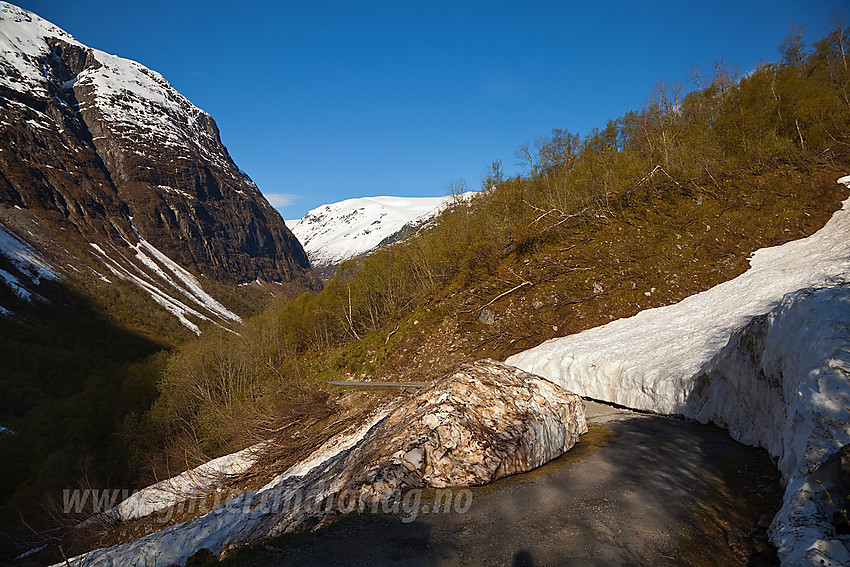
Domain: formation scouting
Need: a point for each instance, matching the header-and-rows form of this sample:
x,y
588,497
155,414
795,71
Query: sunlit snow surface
x,y
339,231
764,355
204,308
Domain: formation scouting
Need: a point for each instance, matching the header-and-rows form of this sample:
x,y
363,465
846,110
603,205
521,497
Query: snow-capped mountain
x,y
338,231
107,172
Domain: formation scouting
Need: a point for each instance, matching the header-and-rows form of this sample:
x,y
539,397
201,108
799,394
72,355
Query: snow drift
x,y
764,355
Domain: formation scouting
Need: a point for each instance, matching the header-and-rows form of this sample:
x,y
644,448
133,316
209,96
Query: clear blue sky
x,y
322,101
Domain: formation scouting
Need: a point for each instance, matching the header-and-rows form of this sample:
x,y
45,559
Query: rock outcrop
x,y
484,421
101,149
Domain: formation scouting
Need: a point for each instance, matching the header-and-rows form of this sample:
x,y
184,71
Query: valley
x,y
668,294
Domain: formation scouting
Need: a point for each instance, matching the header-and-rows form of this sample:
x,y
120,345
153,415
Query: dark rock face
x,y
105,149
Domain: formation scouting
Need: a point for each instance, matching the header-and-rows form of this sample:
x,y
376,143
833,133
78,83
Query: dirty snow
x,y
529,420
235,521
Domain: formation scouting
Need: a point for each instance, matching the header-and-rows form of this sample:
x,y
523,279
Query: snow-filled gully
x,y
765,355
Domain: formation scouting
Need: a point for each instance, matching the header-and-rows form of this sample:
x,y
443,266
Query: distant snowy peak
x,y
338,231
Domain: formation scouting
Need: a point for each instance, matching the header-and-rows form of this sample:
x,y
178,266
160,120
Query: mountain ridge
x,y
101,150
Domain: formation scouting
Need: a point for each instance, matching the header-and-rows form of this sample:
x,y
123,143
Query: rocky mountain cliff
x,y
108,172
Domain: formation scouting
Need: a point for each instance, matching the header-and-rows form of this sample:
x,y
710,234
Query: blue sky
x,y
322,101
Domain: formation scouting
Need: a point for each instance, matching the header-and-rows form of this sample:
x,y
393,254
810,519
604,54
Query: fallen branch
x,y
649,175
544,213
391,334
498,297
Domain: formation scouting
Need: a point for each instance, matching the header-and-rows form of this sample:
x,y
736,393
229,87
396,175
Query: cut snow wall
x,y
783,383
765,355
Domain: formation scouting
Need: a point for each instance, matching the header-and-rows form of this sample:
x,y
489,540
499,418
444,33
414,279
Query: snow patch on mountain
x,y
161,267
338,231
127,94
185,282
25,258
22,44
29,264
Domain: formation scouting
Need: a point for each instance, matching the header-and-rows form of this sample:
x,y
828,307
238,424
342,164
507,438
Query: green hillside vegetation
x,y
657,205
69,377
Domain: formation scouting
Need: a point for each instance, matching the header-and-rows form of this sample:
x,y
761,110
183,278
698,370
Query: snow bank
x,y
195,482
764,355
783,382
649,361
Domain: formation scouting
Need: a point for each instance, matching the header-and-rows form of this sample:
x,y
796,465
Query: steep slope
x,y
106,168
338,231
